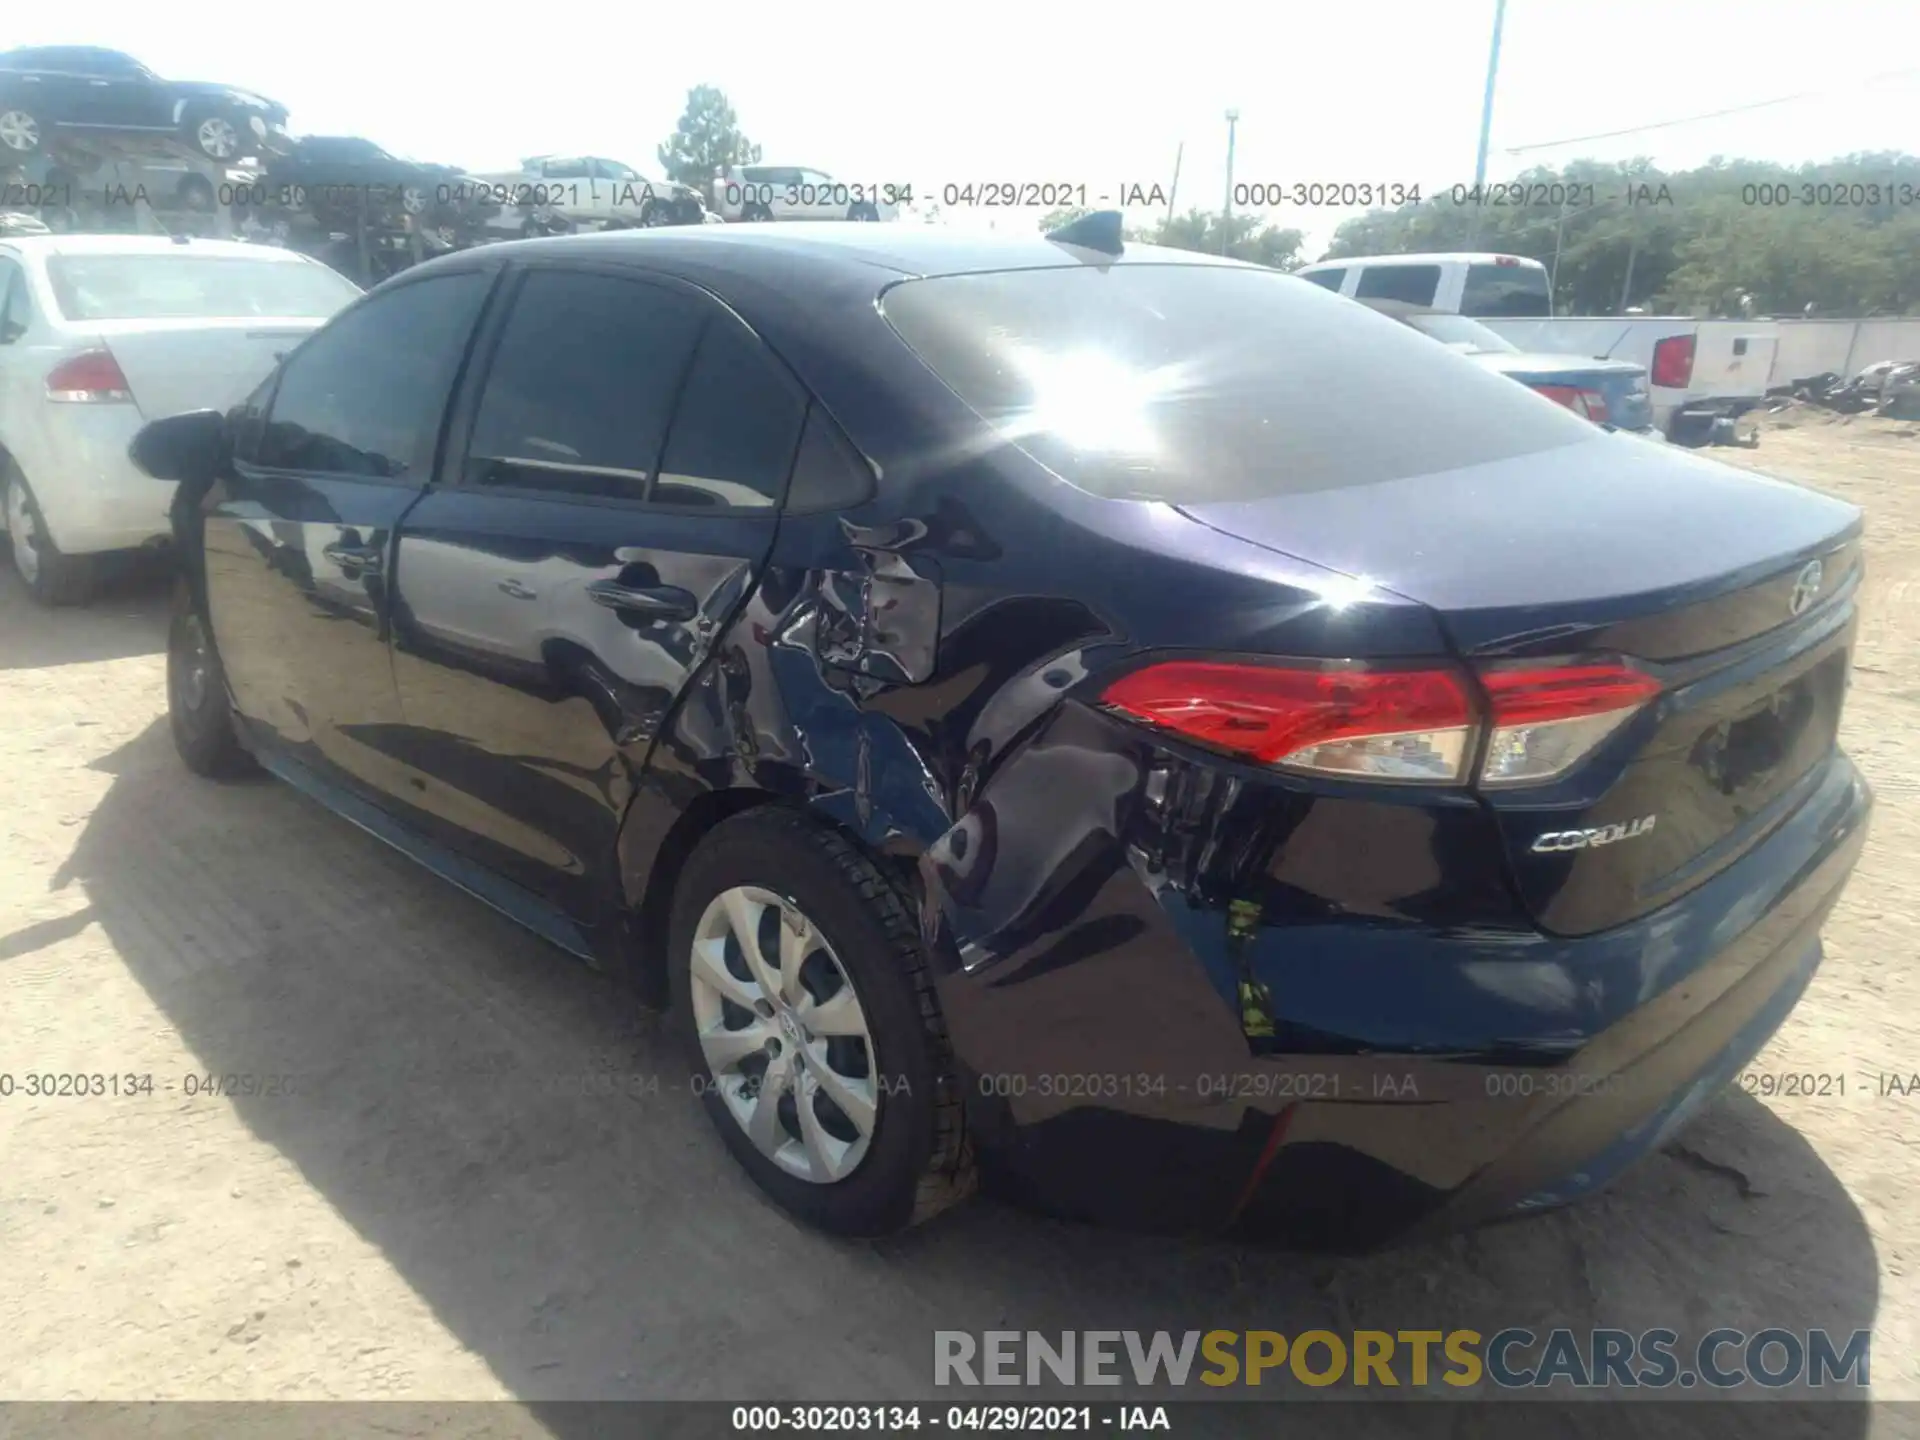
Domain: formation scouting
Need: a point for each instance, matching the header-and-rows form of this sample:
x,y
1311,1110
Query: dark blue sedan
x,y
1029,726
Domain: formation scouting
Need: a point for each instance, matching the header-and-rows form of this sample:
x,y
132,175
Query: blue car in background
x,y
1607,392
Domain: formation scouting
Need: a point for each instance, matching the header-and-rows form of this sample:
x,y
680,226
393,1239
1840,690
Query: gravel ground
x,y
439,1201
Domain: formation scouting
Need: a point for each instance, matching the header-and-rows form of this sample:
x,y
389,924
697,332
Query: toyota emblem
x,y
1806,588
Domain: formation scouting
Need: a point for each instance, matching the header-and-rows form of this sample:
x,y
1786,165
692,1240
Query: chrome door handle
x,y
355,560
516,590
663,602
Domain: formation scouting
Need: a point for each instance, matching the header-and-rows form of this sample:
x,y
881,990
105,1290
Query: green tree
x,y
1694,240
706,141
1241,237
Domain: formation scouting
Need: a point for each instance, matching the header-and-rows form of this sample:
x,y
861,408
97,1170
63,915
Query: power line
x,y
1712,114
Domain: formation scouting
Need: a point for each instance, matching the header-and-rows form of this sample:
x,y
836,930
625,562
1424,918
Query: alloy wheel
x,y
784,1034
19,131
22,532
217,138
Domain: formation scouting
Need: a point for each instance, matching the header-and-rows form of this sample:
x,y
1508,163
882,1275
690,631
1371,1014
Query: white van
x,y
1484,286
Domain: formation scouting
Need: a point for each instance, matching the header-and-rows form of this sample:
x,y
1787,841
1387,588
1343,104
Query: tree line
x,y
1731,237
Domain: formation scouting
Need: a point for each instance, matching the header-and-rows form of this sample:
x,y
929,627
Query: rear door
x,y
55,87
129,93
298,548
610,498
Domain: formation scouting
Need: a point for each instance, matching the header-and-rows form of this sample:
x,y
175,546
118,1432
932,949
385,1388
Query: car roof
x,y
1437,257
834,247
20,50
49,245
809,290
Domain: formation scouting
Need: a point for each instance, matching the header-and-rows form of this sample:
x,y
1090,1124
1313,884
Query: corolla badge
x,y
1593,839
1806,588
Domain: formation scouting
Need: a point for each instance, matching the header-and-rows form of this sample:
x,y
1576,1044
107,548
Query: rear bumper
x,y
91,496
1418,1081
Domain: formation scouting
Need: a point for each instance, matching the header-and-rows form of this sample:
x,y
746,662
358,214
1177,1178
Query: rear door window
x,y
736,427
1200,383
581,386
1328,279
1411,284
1513,291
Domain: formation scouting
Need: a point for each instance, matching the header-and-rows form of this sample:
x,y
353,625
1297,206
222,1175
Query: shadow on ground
x,y
128,616
522,1147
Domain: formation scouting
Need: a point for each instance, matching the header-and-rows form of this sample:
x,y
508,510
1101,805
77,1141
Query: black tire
x,y
196,193
55,578
918,1161
755,213
200,715
862,210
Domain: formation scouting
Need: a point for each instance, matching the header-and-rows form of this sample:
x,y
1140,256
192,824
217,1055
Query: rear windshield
x,y
1518,292
1462,333
194,287
1197,383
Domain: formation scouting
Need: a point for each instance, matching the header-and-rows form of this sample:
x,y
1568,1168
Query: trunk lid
x,y
173,366
1736,591
1621,383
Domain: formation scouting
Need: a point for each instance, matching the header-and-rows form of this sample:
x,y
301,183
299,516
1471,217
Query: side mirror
x,y
185,447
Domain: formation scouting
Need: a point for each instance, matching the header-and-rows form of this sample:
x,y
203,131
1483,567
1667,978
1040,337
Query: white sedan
x,y
796,192
101,333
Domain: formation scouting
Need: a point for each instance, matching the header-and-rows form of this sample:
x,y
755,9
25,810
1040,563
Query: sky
x,y
1100,96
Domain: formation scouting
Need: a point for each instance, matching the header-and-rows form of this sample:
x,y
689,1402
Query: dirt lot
x,y
443,1208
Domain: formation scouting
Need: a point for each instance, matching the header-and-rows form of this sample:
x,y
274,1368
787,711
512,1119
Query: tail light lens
x,y
1589,403
90,378
1544,721
1332,720
1361,722
1673,362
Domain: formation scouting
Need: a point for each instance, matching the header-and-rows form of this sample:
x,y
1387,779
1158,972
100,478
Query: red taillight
x,y
1672,366
1364,723
1590,404
1388,724
1548,718
92,377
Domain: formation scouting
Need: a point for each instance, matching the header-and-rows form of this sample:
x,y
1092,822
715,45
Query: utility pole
x,y
1626,285
1174,189
1486,117
1226,220
1486,106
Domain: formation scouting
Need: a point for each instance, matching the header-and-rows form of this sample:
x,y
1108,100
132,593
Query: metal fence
x,y
1814,347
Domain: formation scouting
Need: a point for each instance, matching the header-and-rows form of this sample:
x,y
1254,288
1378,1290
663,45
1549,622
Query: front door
x,y
299,541
610,496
